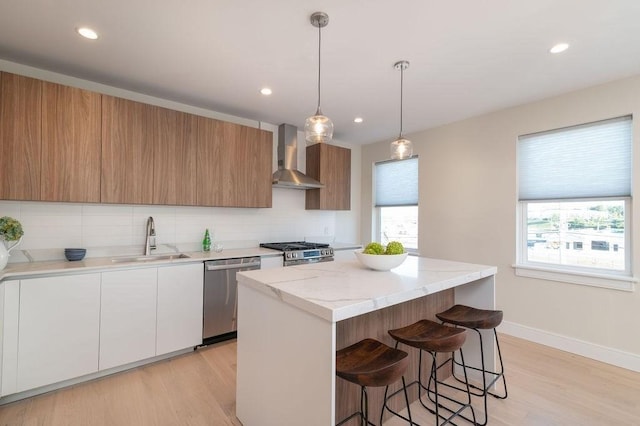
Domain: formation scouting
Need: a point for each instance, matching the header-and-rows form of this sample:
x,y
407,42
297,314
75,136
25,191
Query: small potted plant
x,y
10,232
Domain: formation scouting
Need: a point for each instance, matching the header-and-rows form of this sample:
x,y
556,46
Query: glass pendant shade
x,y
318,128
401,149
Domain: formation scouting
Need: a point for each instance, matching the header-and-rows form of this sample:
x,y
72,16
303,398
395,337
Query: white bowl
x,y
380,262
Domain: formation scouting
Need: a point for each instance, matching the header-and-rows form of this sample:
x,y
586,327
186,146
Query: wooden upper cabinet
x,y
233,165
20,137
127,151
331,165
210,173
174,166
71,122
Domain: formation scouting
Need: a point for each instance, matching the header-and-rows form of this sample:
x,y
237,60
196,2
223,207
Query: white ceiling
x,y
467,57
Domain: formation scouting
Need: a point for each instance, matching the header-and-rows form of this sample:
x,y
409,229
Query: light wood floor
x,y
546,387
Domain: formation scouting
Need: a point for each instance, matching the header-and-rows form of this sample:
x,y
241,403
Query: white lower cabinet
x,y
180,291
58,329
128,316
10,297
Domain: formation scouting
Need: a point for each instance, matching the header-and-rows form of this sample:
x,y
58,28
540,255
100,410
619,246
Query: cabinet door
x,y
234,165
174,157
272,262
331,165
249,173
127,316
70,144
58,329
127,151
20,141
180,290
9,319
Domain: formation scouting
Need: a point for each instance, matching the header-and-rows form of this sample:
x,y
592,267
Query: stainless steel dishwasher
x,y
221,297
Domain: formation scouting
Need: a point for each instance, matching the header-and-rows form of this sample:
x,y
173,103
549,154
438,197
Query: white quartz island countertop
x,y
335,291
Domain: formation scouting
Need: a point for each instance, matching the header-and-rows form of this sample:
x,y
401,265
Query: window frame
x,y
378,228
377,210
596,277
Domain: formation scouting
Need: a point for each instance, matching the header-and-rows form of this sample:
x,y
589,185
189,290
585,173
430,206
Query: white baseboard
x,y
579,347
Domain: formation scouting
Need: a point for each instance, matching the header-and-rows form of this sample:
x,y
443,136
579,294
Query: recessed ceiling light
x,y
358,120
560,47
266,91
87,33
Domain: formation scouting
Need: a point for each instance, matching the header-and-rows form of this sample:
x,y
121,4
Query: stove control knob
x,y
288,255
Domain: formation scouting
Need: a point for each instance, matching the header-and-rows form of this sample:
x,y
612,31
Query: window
x,y
396,202
574,191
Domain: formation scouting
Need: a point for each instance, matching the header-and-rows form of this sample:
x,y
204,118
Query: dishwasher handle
x,y
253,264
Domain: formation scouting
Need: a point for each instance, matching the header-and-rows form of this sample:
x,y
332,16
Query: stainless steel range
x,y
302,252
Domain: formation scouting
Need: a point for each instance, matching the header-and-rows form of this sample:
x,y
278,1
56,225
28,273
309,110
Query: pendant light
x,y
318,128
401,148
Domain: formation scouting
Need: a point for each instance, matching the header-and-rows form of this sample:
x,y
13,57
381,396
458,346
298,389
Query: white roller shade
x,y
587,161
397,183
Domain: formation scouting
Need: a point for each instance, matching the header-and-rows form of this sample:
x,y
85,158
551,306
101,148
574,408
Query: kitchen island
x,y
292,320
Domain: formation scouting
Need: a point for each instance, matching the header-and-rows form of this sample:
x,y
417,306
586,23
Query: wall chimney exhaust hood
x,y
287,175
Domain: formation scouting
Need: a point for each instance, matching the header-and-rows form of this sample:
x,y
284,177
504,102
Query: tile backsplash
x,y
105,229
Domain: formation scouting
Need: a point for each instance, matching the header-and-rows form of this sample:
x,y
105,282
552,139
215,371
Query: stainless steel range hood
x,y
287,175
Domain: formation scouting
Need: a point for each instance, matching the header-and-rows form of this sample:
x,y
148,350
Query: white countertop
x,y
29,269
339,290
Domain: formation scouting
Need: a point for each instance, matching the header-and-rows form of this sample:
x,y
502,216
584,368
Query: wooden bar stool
x,y
371,363
429,336
479,319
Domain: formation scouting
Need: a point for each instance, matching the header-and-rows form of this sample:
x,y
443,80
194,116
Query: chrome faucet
x,y
150,239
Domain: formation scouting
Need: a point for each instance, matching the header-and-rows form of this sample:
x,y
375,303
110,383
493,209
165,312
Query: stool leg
x,y
466,381
484,391
363,414
364,406
434,395
501,374
406,400
434,375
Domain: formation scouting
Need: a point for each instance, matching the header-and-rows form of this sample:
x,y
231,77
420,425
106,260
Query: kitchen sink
x,y
150,258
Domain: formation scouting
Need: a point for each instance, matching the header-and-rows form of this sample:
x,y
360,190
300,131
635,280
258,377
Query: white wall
x,y
468,197
50,227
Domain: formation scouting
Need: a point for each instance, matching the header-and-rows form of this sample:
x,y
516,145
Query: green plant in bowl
x,y
10,229
394,247
374,248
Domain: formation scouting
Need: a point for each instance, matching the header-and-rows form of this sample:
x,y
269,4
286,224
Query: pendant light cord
x,y
401,92
319,59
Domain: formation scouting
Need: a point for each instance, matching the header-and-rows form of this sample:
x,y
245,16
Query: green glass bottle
x,y
206,242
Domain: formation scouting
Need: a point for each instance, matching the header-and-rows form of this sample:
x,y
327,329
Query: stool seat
x,y
430,336
371,363
467,316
